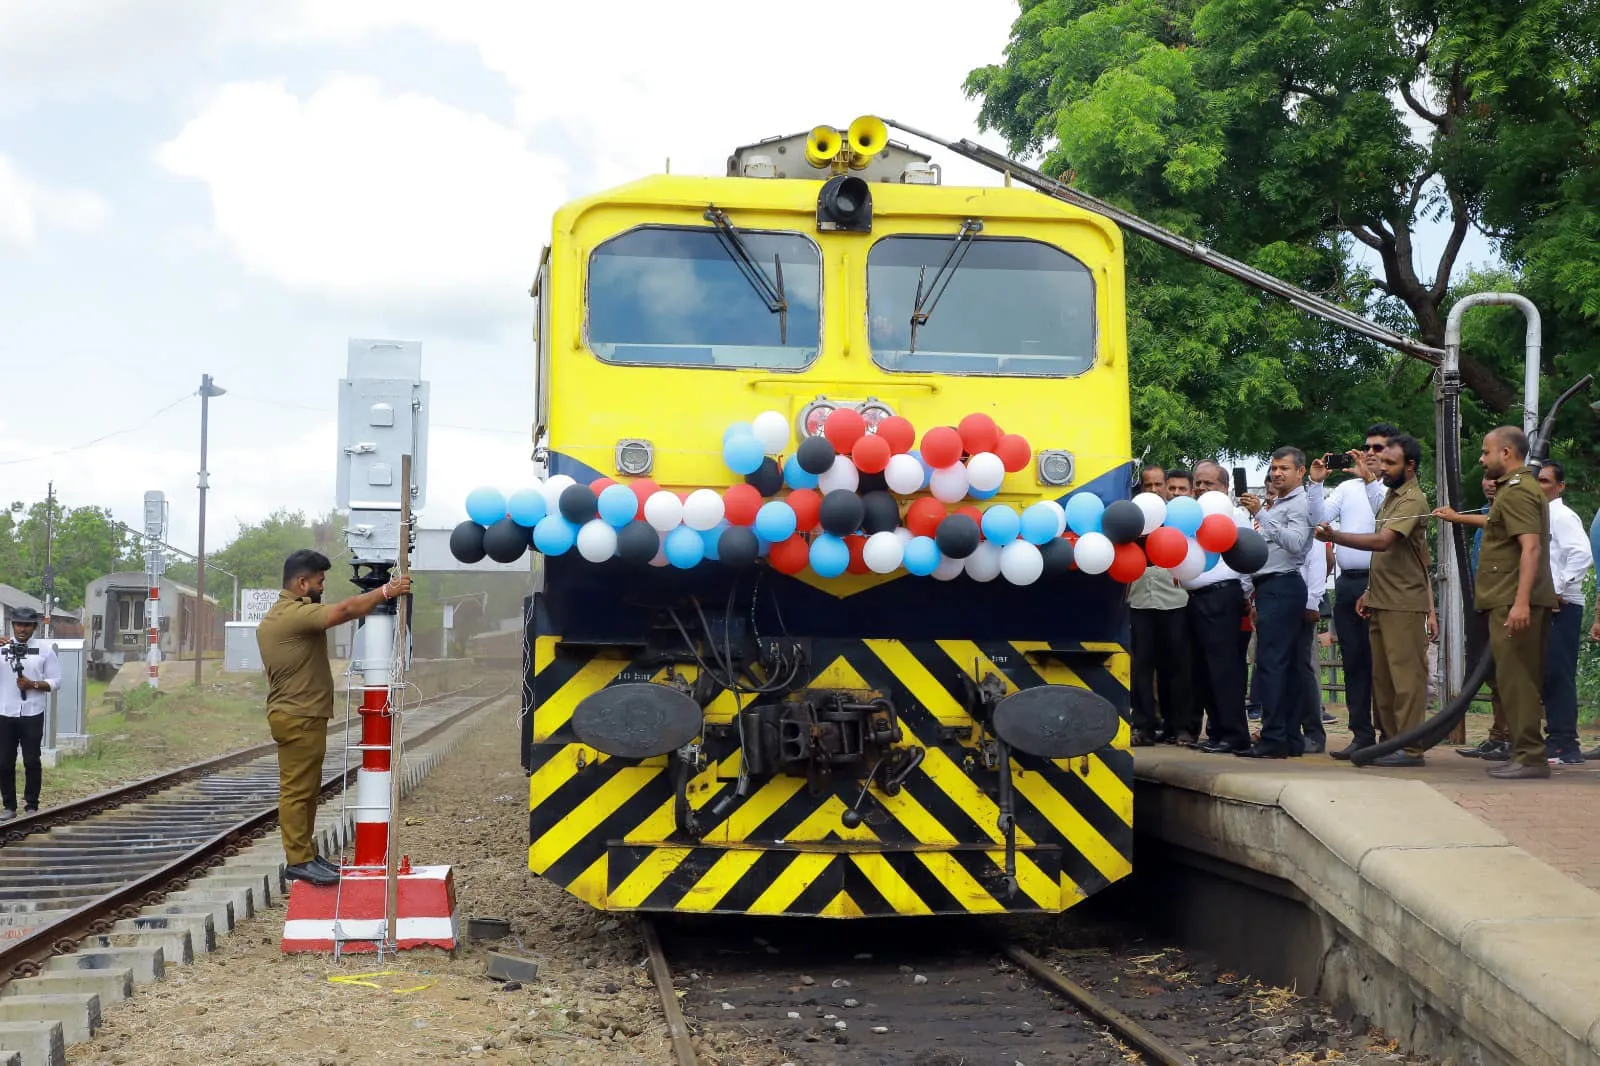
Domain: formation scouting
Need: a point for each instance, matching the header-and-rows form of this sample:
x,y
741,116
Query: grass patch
x,y
151,733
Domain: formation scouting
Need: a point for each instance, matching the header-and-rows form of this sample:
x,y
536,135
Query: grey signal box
x,y
383,415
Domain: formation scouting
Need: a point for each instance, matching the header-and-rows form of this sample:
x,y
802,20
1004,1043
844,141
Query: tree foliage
x,y
80,543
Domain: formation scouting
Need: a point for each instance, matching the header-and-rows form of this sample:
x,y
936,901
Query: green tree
x,y
80,543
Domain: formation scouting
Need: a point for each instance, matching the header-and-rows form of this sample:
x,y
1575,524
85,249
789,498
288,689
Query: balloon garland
x,y
841,513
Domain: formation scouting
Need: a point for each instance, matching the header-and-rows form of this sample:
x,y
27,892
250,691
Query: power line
x,y
98,440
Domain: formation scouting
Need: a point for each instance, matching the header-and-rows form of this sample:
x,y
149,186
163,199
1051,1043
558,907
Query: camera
x,y
15,652
1340,461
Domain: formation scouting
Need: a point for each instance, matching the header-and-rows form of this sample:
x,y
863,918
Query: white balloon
x,y
554,488
1061,516
1193,565
772,430
661,556
904,474
883,553
597,541
949,569
985,471
1154,509
1021,562
950,484
1094,553
904,536
841,475
1214,502
984,563
663,510
702,510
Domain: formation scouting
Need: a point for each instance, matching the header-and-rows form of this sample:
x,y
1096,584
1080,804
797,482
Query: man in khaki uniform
x,y
1515,591
1397,604
294,651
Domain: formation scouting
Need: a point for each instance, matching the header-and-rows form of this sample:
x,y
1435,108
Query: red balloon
x,y
978,433
807,505
1166,547
843,427
941,447
1128,565
600,484
899,432
790,556
740,504
858,560
1013,451
871,454
924,515
971,512
1217,532
643,489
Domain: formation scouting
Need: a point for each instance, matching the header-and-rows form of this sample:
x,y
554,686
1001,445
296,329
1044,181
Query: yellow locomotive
x,y
782,738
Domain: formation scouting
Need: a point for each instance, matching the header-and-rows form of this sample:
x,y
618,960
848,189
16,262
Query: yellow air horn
x,y
867,137
822,145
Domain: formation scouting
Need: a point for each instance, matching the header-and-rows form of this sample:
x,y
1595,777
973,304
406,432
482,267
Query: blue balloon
x,y
1212,559
922,556
486,505
775,521
554,535
743,454
797,478
684,548
618,505
526,507
711,537
1001,524
830,555
738,429
1184,514
1084,511
927,471
982,494
1038,524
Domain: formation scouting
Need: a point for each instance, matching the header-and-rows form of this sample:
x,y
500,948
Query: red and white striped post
x,y
152,655
377,743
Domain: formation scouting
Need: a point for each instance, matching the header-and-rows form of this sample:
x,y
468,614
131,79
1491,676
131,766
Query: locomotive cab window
x,y
998,306
699,297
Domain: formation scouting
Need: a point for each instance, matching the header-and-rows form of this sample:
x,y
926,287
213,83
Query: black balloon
x,y
578,504
466,542
815,455
958,536
866,483
1248,554
842,512
505,541
738,546
1122,522
882,513
769,479
637,543
1057,557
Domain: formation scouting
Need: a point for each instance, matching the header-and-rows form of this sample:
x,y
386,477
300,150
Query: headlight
x,y
635,457
1055,466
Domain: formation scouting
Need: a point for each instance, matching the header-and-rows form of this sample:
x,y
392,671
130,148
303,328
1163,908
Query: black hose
x,y
1438,728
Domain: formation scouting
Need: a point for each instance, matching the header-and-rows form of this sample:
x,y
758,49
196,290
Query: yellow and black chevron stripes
x,y
604,828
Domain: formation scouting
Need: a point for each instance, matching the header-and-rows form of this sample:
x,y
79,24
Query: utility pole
x,y
208,389
49,560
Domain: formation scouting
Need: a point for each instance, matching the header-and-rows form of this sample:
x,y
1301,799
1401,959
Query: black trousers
x,y
1560,677
1310,686
26,733
1213,616
1161,664
1280,631
1355,649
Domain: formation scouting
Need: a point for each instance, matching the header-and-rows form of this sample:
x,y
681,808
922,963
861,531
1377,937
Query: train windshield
x,y
682,297
1005,307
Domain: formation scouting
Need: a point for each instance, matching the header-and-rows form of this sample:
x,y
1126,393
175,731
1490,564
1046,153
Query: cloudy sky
x,y
197,186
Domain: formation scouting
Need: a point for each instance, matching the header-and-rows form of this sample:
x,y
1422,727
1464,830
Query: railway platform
x,y
1458,912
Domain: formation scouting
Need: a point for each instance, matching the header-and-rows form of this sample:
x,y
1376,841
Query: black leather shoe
x,y
1478,750
1345,753
311,873
1398,758
1315,747
1143,740
1261,751
1501,752
1212,747
319,861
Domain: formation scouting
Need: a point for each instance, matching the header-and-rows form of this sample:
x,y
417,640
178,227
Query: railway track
x,y
72,871
916,994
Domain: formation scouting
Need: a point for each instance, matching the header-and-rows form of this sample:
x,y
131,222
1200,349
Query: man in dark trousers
x,y
29,672
294,652
1396,604
1214,615
1516,594
1160,645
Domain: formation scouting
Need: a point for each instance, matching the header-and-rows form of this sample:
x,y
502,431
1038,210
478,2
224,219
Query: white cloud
x,y
369,198
26,206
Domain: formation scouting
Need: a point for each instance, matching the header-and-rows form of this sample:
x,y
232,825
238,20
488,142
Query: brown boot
x,y
1517,771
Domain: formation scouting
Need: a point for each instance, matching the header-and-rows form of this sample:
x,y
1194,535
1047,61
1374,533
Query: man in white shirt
x,y
1315,573
1215,616
1353,505
29,672
1570,560
1160,644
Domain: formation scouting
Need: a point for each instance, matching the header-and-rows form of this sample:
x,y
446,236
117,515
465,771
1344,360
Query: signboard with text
x,y
254,603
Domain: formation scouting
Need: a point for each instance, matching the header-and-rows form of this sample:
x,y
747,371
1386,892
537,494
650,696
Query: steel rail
x,y
26,956
1130,1032
661,975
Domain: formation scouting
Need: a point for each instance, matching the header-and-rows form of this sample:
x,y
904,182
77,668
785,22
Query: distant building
x,y
114,621
63,623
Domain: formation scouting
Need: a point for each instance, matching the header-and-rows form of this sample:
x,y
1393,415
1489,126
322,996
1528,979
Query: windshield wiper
x,y
928,297
769,290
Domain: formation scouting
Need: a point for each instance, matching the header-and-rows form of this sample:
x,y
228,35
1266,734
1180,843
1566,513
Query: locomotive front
x,y
785,729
